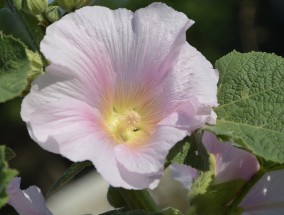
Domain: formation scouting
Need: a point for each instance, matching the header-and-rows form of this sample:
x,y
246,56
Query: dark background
x,y
220,27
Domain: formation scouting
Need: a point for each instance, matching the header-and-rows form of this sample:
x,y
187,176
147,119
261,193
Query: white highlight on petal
x,y
266,197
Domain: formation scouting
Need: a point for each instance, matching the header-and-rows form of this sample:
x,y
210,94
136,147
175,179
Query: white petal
x,y
73,129
191,115
267,196
27,202
149,157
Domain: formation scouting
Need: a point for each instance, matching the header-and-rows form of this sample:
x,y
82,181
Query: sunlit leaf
x,y
251,97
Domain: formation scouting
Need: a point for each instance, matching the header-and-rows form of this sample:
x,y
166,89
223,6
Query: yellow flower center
x,y
125,126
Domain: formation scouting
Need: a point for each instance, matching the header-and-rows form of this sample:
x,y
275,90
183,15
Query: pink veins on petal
x,y
121,89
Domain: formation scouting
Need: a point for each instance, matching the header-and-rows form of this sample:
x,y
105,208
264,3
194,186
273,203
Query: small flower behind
x,y
266,197
121,90
231,163
26,202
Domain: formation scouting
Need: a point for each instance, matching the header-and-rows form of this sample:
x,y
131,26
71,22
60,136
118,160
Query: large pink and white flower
x,y
122,88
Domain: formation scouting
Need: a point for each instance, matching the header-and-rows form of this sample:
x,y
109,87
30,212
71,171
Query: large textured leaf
x,y
251,97
73,170
6,175
14,67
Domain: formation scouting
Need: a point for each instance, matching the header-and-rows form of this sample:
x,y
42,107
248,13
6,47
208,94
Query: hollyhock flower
x,y
26,202
122,88
266,197
231,163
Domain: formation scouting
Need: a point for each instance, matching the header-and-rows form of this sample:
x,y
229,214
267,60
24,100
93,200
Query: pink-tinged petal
x,y
140,181
150,157
55,86
144,164
81,56
192,77
267,196
62,117
142,46
184,174
26,202
73,129
197,117
231,163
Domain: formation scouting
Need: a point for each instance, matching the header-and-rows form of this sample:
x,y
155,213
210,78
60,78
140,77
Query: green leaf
x,y
73,170
205,197
6,176
36,68
21,25
190,151
13,26
8,153
216,199
251,97
14,67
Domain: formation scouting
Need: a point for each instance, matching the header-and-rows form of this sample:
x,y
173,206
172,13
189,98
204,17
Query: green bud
x,y
52,14
36,65
34,7
71,5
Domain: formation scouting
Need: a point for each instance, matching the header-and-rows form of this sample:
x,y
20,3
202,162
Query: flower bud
x,y
52,14
71,5
34,7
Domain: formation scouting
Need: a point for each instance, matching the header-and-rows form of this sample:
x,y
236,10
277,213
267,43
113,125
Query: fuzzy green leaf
x,y
14,67
251,97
